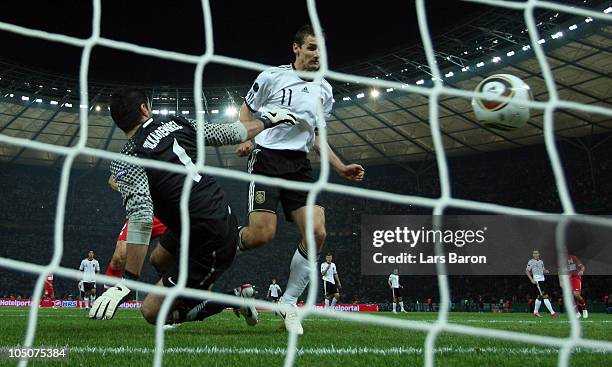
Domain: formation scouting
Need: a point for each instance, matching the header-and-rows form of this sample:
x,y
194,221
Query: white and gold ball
x,y
502,115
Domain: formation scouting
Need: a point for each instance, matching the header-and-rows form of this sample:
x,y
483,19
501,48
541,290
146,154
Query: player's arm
x,y
245,148
352,172
249,126
323,272
134,187
389,282
528,273
580,266
337,279
241,131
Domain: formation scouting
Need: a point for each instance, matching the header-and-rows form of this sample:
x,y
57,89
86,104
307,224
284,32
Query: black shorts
x,y
396,293
212,247
287,164
541,289
88,286
273,299
329,288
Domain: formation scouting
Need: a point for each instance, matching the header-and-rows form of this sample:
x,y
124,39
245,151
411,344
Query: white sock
x,y
86,302
394,304
402,305
537,306
326,303
333,303
299,277
548,305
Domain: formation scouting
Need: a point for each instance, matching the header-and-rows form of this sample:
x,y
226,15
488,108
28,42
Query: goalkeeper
x,y
213,232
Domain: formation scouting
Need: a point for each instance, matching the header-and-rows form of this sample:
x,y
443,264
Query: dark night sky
x,y
255,30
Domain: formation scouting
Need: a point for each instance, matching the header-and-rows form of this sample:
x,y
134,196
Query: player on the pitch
x,y
115,266
331,281
49,292
213,228
90,267
396,290
282,152
535,271
575,269
274,291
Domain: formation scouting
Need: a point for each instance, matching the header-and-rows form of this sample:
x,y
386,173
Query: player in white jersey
x,y
535,271
90,268
282,152
396,291
331,282
274,291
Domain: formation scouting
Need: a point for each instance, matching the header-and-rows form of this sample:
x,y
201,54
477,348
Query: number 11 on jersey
x,y
288,93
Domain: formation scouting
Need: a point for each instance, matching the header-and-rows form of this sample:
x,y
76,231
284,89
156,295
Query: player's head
x,y
273,280
90,254
395,271
328,258
306,49
536,254
129,108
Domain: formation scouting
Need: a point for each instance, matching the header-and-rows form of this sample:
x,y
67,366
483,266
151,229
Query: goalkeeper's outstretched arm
x,y
245,129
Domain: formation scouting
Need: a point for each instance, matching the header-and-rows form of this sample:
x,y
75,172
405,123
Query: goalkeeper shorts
x,y
212,247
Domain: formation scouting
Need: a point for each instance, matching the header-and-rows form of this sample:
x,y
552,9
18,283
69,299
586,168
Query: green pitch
x,y
225,340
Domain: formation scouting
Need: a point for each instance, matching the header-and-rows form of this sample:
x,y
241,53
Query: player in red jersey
x,y
115,266
49,290
575,269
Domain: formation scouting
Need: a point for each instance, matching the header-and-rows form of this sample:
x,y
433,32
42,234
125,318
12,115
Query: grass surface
x,y
225,340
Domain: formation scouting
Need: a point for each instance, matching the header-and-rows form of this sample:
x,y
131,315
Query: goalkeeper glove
x,y
273,118
106,305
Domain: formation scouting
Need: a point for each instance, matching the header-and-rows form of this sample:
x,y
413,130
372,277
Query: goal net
x,y
439,204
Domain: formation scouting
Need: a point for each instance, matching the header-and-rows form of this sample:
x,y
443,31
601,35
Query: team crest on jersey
x,y
305,90
255,87
260,197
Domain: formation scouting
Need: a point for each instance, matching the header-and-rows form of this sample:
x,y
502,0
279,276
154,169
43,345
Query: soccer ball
x,y
246,290
502,115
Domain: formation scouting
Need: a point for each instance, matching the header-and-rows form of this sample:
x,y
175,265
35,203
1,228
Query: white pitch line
x,y
83,316
75,313
531,321
324,351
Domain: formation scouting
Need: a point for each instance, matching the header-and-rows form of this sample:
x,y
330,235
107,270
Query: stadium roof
x,y
390,128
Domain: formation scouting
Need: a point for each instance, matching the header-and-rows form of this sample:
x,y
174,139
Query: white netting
x,y
445,200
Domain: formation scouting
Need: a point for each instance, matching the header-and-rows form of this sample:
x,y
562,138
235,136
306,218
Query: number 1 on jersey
x,y
185,159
